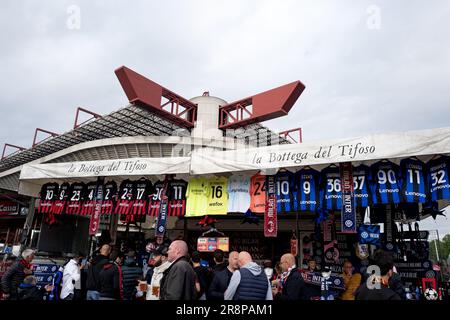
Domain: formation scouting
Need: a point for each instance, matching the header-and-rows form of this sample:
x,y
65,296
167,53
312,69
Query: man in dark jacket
x,y
111,280
222,278
95,266
28,290
292,284
178,281
203,275
220,264
131,274
14,276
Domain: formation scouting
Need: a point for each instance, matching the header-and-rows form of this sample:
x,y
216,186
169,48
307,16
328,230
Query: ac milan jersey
x,y
87,208
258,193
285,191
176,194
155,198
308,192
109,197
125,197
439,178
414,184
141,193
61,201
196,197
49,193
362,181
76,194
387,186
238,193
330,188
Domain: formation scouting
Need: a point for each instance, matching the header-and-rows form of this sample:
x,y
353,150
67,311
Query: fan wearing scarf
x,y
291,285
14,276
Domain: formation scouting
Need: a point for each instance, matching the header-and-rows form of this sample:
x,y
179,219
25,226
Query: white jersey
x,y
239,193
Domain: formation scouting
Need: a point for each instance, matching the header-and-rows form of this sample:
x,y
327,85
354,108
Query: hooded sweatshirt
x,y
235,281
156,280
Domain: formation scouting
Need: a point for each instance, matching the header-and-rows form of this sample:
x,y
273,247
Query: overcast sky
x,y
368,66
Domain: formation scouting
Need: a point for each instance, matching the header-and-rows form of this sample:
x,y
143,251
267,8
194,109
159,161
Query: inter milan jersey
x,y
413,181
141,193
217,195
76,197
308,195
49,194
125,197
176,194
362,180
88,205
285,191
439,178
330,188
387,186
258,193
155,198
109,197
61,201
196,197
238,193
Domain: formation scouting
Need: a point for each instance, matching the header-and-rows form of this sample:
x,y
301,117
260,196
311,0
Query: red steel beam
x,y
45,131
93,114
287,133
267,105
143,91
12,146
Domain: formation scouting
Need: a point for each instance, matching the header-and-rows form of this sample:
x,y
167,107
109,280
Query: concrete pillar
x,y
207,123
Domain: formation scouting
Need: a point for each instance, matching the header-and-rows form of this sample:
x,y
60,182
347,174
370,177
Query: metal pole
x,y
435,246
28,225
437,253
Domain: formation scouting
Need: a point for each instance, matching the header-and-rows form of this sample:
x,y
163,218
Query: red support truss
x,y
94,115
52,134
288,135
143,91
12,146
260,107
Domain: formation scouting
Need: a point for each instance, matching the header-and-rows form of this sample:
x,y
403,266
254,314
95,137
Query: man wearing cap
x,y
160,265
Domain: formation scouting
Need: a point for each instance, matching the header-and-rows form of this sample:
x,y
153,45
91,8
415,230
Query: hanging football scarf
x,y
162,215
270,213
389,239
95,218
348,212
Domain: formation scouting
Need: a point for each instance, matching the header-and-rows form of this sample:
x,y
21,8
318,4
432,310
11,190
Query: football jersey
x,y
48,194
439,178
155,198
285,191
87,208
308,195
176,194
141,193
125,197
76,197
238,193
217,196
330,188
61,200
362,182
258,193
386,186
414,184
109,197
196,197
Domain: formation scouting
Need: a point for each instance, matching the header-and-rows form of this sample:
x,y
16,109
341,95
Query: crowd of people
x,y
174,274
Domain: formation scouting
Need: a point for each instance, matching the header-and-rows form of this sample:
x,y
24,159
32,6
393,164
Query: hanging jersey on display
x,y
330,188
76,197
217,196
87,208
258,193
141,192
196,197
362,181
308,194
176,195
285,191
61,201
439,178
125,197
414,184
239,193
109,197
386,187
155,199
48,194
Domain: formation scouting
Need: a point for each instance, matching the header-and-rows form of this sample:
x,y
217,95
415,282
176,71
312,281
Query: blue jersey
x,y
308,195
387,186
330,188
285,192
362,180
439,178
414,181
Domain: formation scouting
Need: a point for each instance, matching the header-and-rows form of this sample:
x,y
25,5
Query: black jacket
x,y
30,293
219,285
178,281
384,293
110,278
131,273
219,267
95,267
203,276
294,288
12,278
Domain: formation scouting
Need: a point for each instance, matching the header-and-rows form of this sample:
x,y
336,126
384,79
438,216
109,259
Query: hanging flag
x,y
95,218
162,215
348,212
270,213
